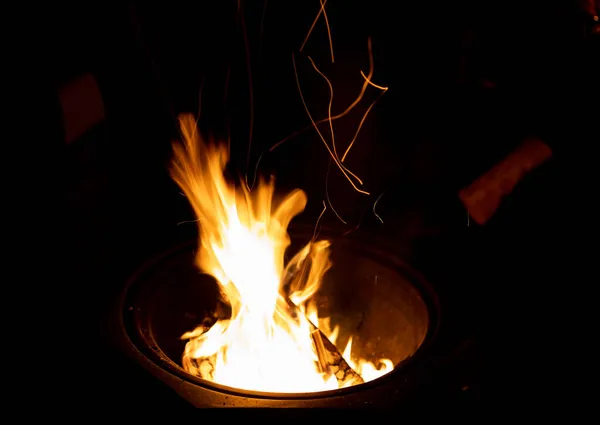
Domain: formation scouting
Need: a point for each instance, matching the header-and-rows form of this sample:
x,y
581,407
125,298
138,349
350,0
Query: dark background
x,y
468,81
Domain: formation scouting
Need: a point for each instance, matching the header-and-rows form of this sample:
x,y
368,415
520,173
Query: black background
x,y
436,129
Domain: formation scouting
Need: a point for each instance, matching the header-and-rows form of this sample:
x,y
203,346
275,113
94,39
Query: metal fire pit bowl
x,y
387,307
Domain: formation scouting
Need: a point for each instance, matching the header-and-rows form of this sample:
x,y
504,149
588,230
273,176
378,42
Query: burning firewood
x,y
206,368
308,266
337,365
331,360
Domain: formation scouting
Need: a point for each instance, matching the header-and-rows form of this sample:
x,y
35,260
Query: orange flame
x,y
263,346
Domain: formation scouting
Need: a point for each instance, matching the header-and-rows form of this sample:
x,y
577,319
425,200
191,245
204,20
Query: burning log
x,y
331,360
337,365
202,367
206,368
300,276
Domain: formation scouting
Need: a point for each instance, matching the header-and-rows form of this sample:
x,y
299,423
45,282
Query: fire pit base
x,y
386,306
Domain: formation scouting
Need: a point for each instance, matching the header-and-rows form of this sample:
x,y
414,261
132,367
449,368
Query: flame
x,y
268,342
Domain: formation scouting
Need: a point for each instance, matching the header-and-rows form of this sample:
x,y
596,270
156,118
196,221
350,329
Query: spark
x,y
188,221
331,121
349,108
226,88
368,80
318,221
255,173
329,105
262,21
340,166
228,136
365,84
227,119
355,228
364,87
321,11
375,206
200,90
360,124
327,193
250,90
328,29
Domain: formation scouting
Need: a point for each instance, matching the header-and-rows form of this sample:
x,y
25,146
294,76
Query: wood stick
x,y
202,367
331,360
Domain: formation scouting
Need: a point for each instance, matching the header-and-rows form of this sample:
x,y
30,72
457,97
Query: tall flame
x,y
264,345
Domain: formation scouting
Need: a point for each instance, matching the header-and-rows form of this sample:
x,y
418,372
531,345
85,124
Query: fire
x,y
270,342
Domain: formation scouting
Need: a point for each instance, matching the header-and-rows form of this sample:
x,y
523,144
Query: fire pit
x,y
251,311
382,303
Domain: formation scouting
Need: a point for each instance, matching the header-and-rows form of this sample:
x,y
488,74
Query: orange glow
x,y
267,344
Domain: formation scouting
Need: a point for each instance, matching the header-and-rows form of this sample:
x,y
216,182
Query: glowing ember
x,y
268,344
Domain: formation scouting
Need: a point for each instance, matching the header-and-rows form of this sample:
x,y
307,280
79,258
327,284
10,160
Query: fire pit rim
x,y
149,349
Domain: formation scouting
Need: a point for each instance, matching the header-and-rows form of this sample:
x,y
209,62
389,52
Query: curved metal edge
x,y
215,394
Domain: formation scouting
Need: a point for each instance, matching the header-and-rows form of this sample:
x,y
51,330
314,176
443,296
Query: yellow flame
x,y
263,345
